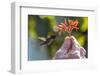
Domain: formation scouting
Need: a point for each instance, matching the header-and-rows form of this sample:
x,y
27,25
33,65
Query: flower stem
x,y
69,34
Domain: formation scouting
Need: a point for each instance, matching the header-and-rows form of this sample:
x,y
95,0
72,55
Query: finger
x,y
68,42
82,52
74,41
60,54
75,44
74,55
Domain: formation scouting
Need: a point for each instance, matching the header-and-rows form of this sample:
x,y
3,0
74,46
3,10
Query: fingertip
x,y
72,37
67,37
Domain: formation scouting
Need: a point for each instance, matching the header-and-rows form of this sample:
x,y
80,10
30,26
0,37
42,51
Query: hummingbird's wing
x,y
42,38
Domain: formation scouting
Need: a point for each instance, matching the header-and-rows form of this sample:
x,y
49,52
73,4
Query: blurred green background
x,y
43,26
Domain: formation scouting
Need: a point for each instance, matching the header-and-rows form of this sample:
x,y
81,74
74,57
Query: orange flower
x,y
72,25
68,26
63,26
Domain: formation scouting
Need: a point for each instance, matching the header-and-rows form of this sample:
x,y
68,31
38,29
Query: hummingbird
x,y
48,40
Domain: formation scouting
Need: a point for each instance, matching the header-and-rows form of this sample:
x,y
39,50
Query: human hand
x,y
70,49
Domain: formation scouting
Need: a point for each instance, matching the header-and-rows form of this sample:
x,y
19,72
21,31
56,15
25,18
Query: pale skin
x,y
70,49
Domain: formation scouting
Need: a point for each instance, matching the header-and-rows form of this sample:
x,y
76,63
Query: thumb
x,y
75,44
